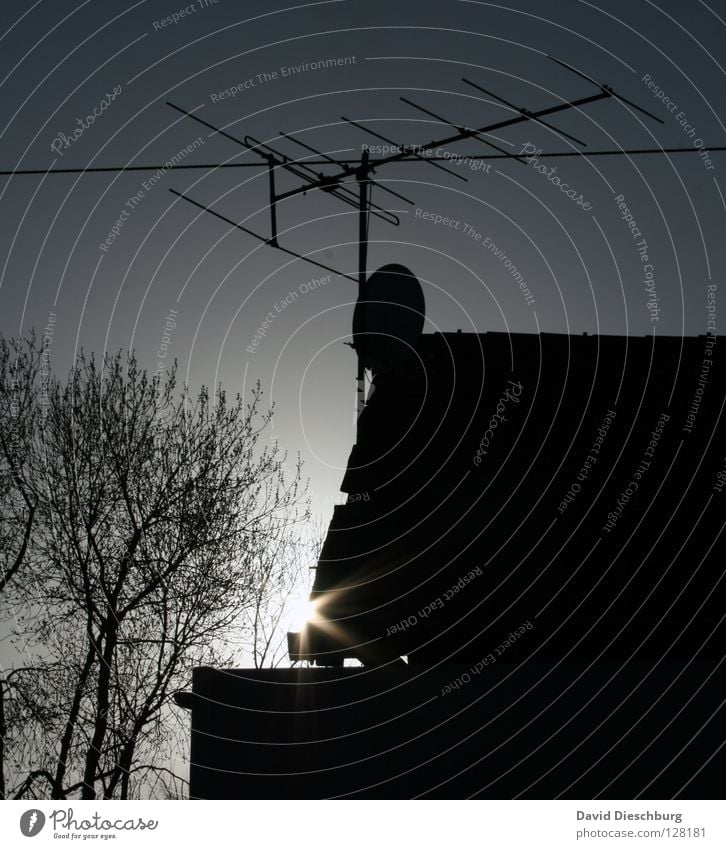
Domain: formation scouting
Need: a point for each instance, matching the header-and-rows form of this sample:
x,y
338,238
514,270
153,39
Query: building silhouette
x,y
528,566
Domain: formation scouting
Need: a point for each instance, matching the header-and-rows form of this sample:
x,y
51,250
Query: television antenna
x,y
352,181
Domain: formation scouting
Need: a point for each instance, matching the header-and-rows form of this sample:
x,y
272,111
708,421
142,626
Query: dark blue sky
x,y
582,266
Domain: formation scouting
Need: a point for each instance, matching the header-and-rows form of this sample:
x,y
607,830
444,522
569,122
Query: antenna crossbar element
x,y
606,88
262,239
209,126
463,130
525,112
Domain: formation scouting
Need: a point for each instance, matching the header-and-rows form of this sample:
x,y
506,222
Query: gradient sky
x,y
59,60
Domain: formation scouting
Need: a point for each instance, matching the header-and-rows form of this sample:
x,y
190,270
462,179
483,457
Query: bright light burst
x,y
303,611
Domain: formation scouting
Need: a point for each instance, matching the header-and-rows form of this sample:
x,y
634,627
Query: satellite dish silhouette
x,y
388,319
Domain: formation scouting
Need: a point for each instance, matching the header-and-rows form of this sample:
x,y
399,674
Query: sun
x,y
302,611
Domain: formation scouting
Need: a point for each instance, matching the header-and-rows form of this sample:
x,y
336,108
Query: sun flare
x,y
302,612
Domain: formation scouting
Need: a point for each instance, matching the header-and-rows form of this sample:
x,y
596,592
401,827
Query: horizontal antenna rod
x,y
211,166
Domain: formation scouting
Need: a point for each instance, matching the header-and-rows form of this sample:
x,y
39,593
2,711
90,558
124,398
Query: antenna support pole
x,y
363,200
273,203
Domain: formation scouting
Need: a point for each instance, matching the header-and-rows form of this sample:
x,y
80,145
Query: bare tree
x,y
281,579
23,369
152,509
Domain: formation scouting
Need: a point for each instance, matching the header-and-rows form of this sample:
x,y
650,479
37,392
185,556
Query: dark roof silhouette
x,y
566,481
